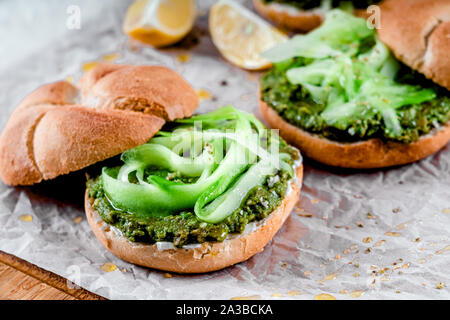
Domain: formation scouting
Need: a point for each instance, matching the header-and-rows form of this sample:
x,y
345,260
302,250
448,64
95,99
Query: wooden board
x,y
22,280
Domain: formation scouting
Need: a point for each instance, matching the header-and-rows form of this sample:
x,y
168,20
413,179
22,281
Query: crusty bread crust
x,y
55,130
71,138
417,31
209,256
373,153
148,89
289,17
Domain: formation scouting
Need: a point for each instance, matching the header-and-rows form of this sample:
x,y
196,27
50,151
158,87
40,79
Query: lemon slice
x,y
159,22
240,35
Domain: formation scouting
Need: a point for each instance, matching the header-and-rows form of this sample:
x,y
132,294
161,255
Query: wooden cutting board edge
x,y
47,277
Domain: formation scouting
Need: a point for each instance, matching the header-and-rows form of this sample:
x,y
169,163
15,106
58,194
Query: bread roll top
x,y
418,33
60,128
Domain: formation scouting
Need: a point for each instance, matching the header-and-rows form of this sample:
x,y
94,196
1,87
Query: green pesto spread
x,y
185,226
311,4
342,83
296,106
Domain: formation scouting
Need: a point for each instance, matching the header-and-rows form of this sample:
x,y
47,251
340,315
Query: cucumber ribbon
x,y
226,160
346,69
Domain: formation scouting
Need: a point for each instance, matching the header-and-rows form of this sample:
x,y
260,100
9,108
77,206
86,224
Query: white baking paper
x,y
380,234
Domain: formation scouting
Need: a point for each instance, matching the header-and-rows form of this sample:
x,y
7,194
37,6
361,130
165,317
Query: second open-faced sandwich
x,y
189,193
349,97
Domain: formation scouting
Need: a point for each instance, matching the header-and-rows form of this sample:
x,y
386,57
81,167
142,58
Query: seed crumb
x,y
277,295
183,58
393,234
77,220
26,218
109,267
305,215
325,296
203,94
356,293
254,297
367,240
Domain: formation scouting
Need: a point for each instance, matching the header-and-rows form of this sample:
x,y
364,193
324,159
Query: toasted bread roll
x,y
372,153
208,256
288,16
148,89
57,129
417,31
71,138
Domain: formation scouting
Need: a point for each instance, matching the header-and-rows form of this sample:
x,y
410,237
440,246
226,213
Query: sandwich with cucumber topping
x,y
350,97
305,15
165,189
196,200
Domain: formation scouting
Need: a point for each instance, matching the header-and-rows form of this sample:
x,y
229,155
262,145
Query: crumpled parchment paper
x,y
379,234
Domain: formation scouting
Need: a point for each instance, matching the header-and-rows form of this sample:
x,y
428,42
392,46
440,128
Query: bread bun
x,y
417,32
209,256
289,17
59,128
372,153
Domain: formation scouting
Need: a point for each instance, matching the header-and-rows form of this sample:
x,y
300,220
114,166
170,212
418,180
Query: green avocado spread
x,y
187,226
311,4
342,83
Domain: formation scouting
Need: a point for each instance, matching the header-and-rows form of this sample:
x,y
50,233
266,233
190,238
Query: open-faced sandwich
x,y
189,193
305,15
195,200
345,99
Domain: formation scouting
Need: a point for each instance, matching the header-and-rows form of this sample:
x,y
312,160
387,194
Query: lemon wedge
x,y
159,22
240,35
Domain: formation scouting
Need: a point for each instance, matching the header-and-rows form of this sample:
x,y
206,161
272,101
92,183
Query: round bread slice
x,y
209,256
372,153
59,128
418,33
